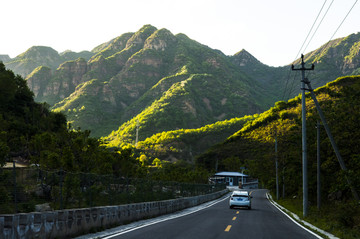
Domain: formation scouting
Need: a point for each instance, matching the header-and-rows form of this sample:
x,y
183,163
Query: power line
x,y
344,19
292,85
324,48
287,79
319,24
326,45
312,28
286,84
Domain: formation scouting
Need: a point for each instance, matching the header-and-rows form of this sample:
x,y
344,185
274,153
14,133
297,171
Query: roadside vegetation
x,y
339,218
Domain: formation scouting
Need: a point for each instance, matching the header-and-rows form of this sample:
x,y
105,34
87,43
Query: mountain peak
x,y
242,52
38,51
5,58
160,40
244,58
147,27
140,36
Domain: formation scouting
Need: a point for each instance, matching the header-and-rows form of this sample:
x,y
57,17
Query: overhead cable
x,y
324,48
312,28
344,19
318,26
287,79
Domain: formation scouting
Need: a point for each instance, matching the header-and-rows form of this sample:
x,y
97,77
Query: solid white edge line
x,y
166,219
297,223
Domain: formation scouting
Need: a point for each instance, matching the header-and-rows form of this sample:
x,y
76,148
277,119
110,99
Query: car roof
x,y
240,193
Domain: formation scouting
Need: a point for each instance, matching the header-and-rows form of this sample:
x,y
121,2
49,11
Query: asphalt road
x,y
219,221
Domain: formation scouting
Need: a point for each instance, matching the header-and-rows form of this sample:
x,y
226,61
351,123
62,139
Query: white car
x,y
240,199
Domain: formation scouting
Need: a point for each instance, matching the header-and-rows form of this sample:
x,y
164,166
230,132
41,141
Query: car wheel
x,y
249,208
231,207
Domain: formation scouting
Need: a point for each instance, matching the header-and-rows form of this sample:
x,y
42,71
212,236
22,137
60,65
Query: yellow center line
x,y
228,228
234,218
237,212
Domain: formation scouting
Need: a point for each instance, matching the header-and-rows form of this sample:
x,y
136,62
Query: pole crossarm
x,y
302,68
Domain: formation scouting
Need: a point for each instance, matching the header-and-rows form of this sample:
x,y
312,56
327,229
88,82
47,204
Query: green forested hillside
x,y
167,82
32,133
66,162
186,144
253,145
21,118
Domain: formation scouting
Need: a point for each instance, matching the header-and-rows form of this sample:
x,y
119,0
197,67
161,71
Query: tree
x,y
157,162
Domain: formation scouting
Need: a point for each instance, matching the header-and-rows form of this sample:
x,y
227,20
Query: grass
x,y
342,219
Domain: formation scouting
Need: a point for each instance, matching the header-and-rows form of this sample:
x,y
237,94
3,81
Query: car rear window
x,y
242,196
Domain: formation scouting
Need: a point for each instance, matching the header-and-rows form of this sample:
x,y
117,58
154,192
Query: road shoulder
x,y
296,219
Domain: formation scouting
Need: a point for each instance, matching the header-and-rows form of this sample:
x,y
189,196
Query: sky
x,y
272,31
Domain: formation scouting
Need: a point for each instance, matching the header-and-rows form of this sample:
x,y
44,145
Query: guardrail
x,y
74,222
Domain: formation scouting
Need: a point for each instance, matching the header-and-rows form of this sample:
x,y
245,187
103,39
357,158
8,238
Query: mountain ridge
x,y
128,74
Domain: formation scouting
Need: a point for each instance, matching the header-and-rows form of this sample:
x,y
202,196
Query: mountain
x,y
52,87
25,63
253,145
187,144
270,78
167,82
339,57
5,58
162,80
70,55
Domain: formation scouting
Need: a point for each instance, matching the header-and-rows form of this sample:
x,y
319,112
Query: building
x,y
235,179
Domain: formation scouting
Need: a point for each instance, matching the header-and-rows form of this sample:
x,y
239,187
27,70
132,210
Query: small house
x,y
235,179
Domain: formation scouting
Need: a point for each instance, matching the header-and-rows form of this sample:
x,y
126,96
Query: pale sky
x,y
272,31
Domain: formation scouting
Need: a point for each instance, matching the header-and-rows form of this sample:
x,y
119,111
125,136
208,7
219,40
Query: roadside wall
x,y
74,222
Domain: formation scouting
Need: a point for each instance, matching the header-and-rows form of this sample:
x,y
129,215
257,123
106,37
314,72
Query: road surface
x,y
219,221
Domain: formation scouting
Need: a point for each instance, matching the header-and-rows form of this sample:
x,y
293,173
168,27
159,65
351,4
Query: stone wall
x,y
73,222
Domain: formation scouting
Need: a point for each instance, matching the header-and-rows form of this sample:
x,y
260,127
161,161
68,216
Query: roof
x,y
241,193
224,174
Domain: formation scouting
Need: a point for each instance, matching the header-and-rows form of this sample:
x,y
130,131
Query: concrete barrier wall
x,y
74,222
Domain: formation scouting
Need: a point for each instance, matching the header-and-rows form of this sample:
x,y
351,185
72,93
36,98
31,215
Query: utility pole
x,y
276,167
304,147
318,164
283,181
